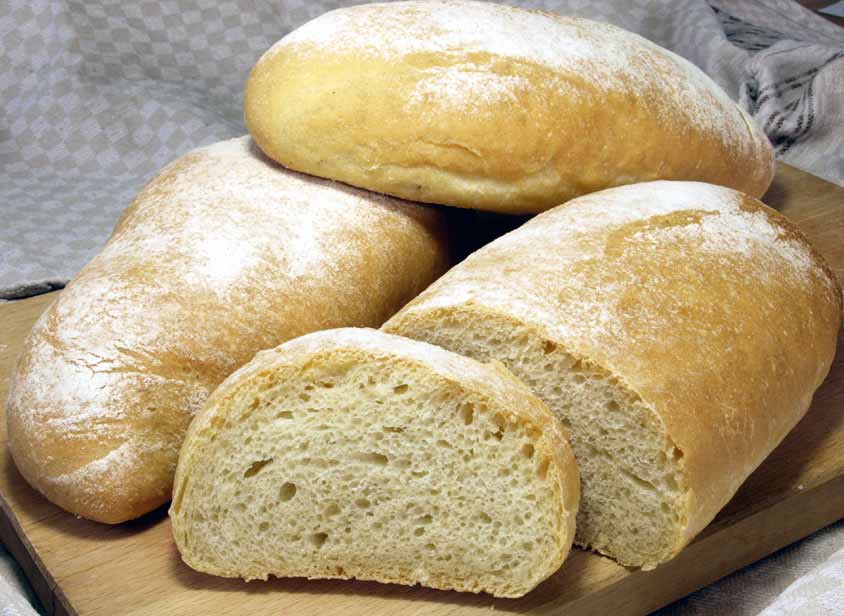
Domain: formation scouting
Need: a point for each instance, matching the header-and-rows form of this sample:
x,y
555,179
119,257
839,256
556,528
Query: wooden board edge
x,y
760,535
46,589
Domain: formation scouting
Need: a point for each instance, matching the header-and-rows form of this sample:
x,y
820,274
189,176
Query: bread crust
x,y
709,306
491,383
221,255
490,107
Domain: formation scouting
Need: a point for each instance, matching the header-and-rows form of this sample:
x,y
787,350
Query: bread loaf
x,y
679,329
354,454
221,255
486,106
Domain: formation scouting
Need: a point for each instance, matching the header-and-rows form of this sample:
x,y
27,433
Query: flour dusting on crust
x,y
554,271
479,41
221,255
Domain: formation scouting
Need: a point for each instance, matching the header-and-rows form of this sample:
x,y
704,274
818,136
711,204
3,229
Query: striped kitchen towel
x,y
789,69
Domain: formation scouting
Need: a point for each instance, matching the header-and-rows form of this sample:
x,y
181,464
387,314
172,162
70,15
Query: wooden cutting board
x,y
81,567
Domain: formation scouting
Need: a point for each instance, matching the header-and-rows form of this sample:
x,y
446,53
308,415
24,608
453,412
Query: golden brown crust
x,y
491,107
221,255
492,384
709,306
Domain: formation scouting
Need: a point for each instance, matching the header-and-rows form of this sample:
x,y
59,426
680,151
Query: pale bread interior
x,y
633,500
379,470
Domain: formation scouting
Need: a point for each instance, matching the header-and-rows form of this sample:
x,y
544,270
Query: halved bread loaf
x,y
679,330
355,454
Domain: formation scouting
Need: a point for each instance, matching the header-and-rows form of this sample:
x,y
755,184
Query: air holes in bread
x,y
256,467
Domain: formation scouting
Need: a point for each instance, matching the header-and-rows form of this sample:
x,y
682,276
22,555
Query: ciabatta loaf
x,y
221,255
679,329
486,106
355,454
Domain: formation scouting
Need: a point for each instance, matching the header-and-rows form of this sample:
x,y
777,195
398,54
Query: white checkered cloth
x,y
97,95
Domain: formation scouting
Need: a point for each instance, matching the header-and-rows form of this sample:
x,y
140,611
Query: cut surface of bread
x,y
633,495
356,454
678,329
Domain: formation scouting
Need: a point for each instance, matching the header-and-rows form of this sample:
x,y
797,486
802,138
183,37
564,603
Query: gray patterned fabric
x,y
16,599
803,579
97,95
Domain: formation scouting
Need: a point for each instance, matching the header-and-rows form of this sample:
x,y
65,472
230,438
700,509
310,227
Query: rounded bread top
x,y
486,106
